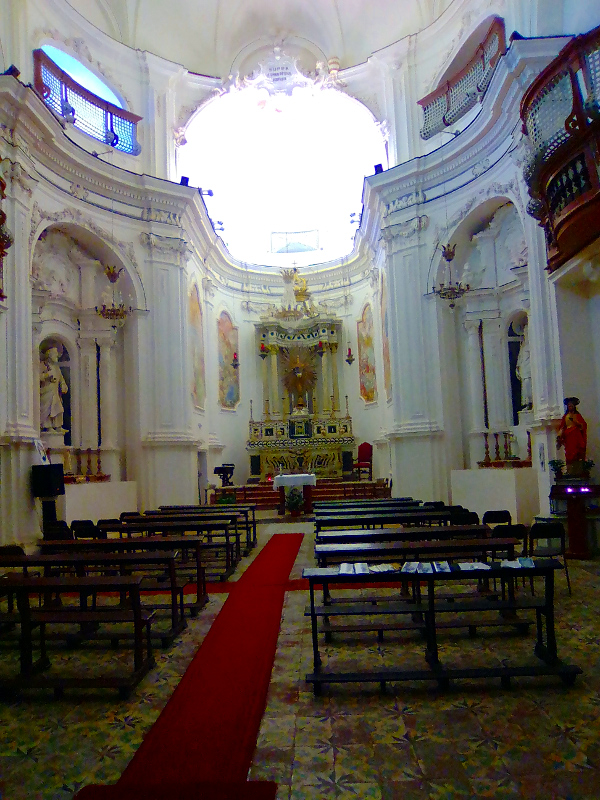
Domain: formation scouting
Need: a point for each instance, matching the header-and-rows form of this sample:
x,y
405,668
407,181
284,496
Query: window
x,y
74,93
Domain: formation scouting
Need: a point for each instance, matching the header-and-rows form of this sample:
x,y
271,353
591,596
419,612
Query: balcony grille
x,y
98,118
545,121
462,92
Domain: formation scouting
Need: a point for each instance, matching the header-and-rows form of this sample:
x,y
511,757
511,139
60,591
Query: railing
x,y
463,91
564,99
561,119
86,111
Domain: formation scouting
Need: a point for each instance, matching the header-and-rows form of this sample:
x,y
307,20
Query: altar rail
x,y
265,497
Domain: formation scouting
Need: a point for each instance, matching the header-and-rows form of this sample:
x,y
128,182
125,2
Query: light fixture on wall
x,y
235,362
263,352
453,290
115,311
349,357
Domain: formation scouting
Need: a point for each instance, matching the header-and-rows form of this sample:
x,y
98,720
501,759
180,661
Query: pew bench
x,y
34,673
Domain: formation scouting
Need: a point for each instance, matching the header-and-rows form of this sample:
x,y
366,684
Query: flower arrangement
x,y
294,500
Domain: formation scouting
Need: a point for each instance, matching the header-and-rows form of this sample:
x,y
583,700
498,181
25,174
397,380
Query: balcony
x,y
561,119
88,113
458,95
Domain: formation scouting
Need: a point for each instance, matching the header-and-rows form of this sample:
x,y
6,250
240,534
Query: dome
x,y
211,40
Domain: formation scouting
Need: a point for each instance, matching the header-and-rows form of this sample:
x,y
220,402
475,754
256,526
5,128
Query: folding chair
x,y
555,547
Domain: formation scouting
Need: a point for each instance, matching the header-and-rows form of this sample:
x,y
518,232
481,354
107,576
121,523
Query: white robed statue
x,y
52,387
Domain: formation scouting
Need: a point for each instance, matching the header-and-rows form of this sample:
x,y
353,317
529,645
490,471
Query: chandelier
x,y
114,311
453,290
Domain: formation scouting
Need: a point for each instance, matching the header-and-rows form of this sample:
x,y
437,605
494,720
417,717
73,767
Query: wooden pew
x,y
428,624
31,674
393,534
83,561
421,550
248,511
141,544
169,528
218,525
366,518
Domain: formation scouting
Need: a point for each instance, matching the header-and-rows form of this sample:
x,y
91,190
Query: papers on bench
x,y
346,568
517,563
471,565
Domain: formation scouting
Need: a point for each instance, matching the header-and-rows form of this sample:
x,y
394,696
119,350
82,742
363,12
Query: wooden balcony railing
x,y
86,111
561,119
454,98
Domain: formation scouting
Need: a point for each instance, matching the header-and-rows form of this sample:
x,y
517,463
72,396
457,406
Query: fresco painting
x,y
385,339
366,356
197,349
229,382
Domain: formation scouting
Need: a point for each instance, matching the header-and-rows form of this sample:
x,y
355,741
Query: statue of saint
x,y
52,387
523,371
572,432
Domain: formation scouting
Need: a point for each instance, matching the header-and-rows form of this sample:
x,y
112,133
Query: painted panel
x,y
229,382
385,339
197,349
366,356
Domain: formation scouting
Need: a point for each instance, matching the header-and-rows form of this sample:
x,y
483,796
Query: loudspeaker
x,y
378,169
255,465
185,181
47,480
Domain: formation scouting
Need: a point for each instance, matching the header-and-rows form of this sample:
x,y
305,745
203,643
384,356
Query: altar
x,y
303,480
302,428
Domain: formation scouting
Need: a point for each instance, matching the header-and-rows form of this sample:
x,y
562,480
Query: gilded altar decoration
x,y
197,349
385,339
366,356
229,382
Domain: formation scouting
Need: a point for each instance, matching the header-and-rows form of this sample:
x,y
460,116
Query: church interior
x,y
346,245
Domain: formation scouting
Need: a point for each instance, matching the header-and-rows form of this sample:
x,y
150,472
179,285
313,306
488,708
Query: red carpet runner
x,y
208,729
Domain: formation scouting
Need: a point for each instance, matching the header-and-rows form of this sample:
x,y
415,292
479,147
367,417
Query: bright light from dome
x,y
283,164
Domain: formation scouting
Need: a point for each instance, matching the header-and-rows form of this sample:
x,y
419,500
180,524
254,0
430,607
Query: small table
x,y
305,480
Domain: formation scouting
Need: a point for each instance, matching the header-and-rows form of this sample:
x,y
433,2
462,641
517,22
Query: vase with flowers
x,y
294,501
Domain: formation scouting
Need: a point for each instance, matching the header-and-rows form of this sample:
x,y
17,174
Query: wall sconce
x,y
263,352
349,358
236,362
320,349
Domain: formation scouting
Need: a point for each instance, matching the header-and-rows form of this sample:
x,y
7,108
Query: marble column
x,y
109,405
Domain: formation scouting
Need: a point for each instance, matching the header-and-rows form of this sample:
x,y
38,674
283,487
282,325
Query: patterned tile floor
x,y
538,740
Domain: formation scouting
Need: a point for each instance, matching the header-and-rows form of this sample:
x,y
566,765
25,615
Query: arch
x,y
99,245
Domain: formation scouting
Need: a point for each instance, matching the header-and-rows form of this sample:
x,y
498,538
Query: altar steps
x,y
326,489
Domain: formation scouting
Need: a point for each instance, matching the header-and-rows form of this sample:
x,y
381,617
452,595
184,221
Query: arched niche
x,y
84,296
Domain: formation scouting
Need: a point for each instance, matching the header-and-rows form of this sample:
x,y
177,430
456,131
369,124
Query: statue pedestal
x,y
54,442
526,417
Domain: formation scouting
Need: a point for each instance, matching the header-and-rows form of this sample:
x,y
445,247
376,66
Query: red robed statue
x,y
572,433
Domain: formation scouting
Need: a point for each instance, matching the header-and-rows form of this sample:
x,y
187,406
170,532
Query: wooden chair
x,y
555,547
84,529
364,461
501,517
